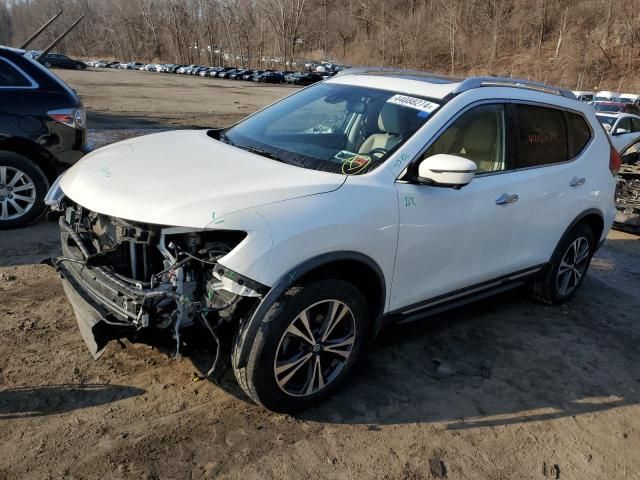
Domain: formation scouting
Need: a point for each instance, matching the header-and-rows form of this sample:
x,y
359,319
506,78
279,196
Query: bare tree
x,y
449,18
496,12
285,17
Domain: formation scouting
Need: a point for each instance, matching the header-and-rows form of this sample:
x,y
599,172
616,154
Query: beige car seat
x,y
390,124
479,143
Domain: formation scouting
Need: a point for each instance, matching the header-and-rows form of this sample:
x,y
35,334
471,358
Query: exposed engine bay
x,y
140,276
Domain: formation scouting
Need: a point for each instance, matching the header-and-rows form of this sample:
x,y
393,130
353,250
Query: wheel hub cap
x,y
573,265
17,193
314,348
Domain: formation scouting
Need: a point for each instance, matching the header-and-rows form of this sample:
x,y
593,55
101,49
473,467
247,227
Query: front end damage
x,y
122,277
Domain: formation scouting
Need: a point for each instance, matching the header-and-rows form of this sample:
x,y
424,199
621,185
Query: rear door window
x,y
10,77
541,138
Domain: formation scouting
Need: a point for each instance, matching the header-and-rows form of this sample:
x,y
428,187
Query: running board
x,y
462,297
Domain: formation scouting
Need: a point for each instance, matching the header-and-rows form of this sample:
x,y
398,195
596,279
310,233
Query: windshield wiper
x,y
261,152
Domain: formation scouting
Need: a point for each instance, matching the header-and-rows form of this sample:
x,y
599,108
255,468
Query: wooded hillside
x,y
582,44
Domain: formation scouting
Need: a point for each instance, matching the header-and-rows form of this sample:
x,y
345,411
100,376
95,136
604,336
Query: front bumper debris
x,y
95,332
121,277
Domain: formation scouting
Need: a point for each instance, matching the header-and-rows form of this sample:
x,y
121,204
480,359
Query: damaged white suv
x,y
374,197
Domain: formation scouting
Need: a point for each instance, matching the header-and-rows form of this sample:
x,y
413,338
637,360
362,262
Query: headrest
x,y
480,134
391,119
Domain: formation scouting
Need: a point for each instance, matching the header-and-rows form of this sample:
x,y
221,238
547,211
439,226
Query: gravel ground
x,y
502,389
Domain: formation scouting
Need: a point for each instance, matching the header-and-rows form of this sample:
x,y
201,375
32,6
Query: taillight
x,y
614,161
72,117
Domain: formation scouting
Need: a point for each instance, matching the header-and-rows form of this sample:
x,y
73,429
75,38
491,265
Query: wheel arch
x,y
595,221
593,218
40,156
355,267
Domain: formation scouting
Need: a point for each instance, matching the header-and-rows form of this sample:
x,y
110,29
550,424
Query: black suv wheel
x,y
23,186
314,336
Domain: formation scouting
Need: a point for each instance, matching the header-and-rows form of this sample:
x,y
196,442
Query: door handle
x,y
576,182
506,198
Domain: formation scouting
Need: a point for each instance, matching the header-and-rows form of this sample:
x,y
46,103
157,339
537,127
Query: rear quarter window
x,y
580,133
10,77
541,138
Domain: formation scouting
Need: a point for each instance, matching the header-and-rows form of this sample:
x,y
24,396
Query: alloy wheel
x,y
314,348
573,266
17,193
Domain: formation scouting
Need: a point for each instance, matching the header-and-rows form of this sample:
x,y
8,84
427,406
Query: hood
x,y
185,178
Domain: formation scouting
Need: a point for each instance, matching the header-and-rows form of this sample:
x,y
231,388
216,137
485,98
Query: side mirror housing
x,y
445,170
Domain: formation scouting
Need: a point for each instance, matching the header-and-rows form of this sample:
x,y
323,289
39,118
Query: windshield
x,y
335,128
624,100
604,107
606,122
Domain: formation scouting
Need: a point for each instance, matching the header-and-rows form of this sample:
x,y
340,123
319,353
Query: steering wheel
x,y
379,150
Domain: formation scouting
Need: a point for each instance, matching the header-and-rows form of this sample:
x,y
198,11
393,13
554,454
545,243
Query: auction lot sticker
x,y
353,163
413,102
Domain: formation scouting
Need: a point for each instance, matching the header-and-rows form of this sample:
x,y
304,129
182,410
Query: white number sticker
x,y
413,102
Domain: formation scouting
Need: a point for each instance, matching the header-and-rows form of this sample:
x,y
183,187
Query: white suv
x,y
371,198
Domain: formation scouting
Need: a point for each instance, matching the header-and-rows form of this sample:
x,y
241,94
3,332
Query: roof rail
x,y
416,74
477,82
464,84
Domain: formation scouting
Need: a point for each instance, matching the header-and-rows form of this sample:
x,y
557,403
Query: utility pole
x,y
40,30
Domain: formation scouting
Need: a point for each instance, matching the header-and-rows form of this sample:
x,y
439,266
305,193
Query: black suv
x,y
42,132
59,60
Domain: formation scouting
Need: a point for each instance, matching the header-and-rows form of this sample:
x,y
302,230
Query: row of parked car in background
x,y
315,72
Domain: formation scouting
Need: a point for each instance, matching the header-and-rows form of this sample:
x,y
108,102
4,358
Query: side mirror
x,y
444,170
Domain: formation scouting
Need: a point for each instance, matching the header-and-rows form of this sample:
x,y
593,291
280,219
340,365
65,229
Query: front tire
x,y
568,266
308,343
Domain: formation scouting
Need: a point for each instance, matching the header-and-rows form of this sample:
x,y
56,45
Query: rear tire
x,y
23,186
306,346
567,268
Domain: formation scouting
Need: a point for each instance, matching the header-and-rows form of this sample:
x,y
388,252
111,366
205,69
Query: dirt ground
x,y
502,389
126,99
